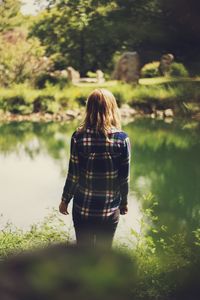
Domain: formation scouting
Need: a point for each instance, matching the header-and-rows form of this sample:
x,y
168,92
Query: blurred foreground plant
x,y
52,229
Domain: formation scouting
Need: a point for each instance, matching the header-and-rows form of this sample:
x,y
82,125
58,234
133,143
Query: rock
x,y
127,111
47,116
128,68
71,113
100,76
168,120
88,80
73,75
159,114
64,73
165,63
196,116
168,112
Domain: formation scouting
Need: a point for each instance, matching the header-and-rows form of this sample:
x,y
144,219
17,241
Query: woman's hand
x,y
123,210
63,208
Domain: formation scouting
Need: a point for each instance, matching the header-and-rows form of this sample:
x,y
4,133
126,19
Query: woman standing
x,y
98,173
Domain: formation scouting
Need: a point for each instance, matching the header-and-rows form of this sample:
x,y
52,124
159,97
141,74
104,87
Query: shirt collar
x,y
93,130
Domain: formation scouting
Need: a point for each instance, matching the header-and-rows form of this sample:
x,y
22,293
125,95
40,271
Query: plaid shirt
x,y
98,173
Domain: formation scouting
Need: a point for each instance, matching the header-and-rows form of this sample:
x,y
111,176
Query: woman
x,y
98,173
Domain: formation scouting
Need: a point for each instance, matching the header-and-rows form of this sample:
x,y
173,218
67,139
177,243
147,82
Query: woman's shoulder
x,y
77,133
120,134
113,132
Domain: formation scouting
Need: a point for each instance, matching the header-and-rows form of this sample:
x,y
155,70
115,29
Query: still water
x,y
165,162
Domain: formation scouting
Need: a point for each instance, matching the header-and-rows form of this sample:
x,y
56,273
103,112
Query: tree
x,y
86,34
139,24
77,29
155,27
183,26
10,15
20,58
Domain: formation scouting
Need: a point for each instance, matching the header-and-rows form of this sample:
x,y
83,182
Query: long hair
x,y
102,112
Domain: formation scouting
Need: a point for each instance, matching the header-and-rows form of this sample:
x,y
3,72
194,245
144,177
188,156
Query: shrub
x,y
22,60
43,79
14,240
178,70
43,103
150,70
91,74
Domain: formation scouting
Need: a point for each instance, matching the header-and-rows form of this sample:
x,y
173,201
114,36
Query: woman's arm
x,y
73,173
124,174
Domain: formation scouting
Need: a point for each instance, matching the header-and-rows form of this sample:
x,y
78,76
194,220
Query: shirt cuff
x,y
65,199
124,201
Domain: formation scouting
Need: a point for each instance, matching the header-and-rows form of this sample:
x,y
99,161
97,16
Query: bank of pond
x,y
155,97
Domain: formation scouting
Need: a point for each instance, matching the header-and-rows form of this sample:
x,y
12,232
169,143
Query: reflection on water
x,y
165,161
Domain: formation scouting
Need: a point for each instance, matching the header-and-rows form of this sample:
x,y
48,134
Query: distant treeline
x,y
90,35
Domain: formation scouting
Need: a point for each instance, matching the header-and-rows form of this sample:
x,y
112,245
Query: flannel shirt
x,y
98,173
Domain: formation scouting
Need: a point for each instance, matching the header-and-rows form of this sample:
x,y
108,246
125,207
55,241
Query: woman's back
x,y
103,170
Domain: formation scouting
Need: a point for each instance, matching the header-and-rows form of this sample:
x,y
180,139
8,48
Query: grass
x,y
22,99
160,80
51,230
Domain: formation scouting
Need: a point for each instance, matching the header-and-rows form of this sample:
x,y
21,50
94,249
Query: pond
x,y
165,162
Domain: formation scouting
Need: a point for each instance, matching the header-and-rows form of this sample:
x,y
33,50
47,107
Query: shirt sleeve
x,y
73,173
124,171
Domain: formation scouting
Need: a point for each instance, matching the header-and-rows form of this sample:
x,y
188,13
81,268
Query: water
x,y
165,162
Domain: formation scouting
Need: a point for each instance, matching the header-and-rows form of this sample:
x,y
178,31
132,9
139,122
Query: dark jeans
x,y
93,231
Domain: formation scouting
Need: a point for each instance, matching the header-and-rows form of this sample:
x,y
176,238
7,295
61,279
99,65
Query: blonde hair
x,y
102,112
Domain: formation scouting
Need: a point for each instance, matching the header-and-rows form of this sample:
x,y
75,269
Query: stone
x,y
71,113
159,114
88,80
64,73
128,68
165,63
100,76
168,113
126,111
73,75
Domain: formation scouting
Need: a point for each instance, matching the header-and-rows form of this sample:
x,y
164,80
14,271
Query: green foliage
x,y
197,236
9,14
61,96
75,28
152,266
67,272
178,70
150,70
52,229
78,29
160,256
91,74
20,59
45,78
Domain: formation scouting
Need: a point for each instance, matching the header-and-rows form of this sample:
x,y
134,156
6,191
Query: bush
x,y
44,78
91,74
178,70
17,105
45,103
22,60
150,70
